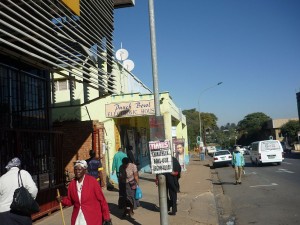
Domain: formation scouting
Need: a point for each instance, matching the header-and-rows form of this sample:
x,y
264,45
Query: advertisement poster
x,y
144,142
161,157
131,139
178,150
157,128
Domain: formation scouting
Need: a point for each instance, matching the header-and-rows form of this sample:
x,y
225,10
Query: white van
x,y
268,151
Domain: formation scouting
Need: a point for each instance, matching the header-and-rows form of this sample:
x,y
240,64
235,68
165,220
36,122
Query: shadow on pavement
x,y
223,183
149,206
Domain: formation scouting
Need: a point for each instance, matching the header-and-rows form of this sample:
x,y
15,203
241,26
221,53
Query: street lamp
x,y
200,125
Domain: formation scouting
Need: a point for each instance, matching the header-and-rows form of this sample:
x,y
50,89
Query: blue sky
x,y
252,46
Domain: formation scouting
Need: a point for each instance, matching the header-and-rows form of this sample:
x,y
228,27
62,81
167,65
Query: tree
x,y
250,129
226,135
208,122
290,130
192,121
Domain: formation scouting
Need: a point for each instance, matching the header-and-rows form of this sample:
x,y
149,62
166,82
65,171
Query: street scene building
x,y
63,93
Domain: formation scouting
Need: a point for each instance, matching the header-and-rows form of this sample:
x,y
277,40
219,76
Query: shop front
x,y
131,119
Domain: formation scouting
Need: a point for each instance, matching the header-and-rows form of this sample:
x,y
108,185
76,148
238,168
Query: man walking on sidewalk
x,y
238,163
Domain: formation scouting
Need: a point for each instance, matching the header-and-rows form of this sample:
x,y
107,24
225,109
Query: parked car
x,y
286,147
247,151
222,157
211,150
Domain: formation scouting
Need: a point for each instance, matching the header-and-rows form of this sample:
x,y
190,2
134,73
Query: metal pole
x,y
200,124
161,178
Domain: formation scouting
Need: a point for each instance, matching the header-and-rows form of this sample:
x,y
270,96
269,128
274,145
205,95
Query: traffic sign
x,y
198,140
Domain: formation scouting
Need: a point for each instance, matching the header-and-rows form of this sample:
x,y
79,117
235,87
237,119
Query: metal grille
x,y
39,151
48,35
23,97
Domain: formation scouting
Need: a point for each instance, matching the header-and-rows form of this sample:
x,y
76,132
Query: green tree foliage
x,y
290,129
208,121
251,128
227,135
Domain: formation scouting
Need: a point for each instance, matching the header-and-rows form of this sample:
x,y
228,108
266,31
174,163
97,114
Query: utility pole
x,y
200,123
161,178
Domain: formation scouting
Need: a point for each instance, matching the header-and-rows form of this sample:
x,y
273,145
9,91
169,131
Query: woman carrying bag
x,y
128,181
9,182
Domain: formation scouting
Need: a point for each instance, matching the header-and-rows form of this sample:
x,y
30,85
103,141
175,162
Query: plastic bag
x,y
138,193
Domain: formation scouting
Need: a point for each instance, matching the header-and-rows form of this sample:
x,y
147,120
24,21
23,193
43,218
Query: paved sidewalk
x,y
196,202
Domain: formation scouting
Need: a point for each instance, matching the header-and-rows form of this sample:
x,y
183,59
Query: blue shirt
x,y
117,161
238,159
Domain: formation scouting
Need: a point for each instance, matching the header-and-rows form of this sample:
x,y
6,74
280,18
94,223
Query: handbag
x,y
23,202
138,193
107,222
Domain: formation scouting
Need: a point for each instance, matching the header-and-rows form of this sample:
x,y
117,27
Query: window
x,y
63,84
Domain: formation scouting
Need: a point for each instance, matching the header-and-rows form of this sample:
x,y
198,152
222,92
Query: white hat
x,y
81,163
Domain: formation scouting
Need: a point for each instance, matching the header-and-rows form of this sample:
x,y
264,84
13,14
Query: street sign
x,y
198,140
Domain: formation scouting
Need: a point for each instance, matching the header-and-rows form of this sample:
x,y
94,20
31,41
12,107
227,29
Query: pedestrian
x,y
172,186
128,181
8,184
238,163
130,155
95,168
117,161
86,196
180,154
177,167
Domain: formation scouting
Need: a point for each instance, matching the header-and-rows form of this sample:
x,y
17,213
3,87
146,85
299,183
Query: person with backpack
x,y
95,167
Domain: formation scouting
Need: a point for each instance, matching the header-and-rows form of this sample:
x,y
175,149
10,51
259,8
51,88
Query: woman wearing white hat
x,y
85,193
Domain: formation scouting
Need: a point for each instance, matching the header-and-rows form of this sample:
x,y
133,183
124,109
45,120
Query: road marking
x,y
287,163
284,171
250,172
265,185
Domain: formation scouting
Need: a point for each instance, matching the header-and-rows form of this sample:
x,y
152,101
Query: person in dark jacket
x,y
172,186
130,155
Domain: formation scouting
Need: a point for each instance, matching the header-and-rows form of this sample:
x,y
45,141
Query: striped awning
x,y
64,37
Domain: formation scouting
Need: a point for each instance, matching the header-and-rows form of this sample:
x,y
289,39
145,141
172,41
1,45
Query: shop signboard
x,y
130,109
161,157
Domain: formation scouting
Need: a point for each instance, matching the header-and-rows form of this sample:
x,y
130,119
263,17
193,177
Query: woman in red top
x,y
85,194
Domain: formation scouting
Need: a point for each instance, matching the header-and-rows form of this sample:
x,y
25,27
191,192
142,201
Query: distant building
x,y
274,127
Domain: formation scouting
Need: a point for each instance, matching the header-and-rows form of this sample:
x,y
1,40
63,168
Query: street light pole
x,y
162,190
200,124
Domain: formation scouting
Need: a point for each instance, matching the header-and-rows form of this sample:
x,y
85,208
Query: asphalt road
x,y
268,195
